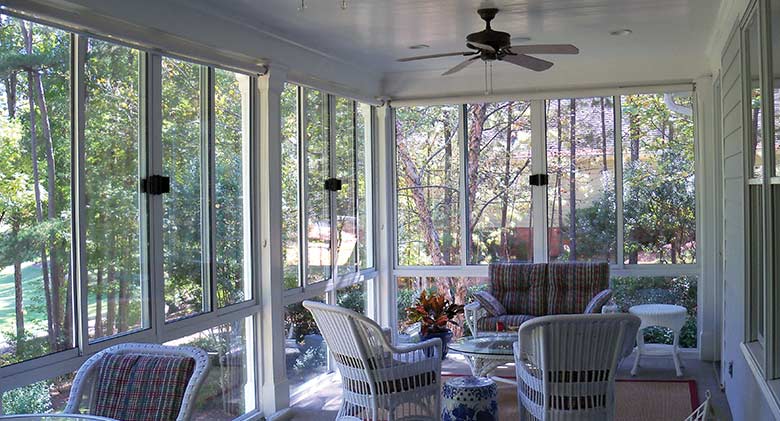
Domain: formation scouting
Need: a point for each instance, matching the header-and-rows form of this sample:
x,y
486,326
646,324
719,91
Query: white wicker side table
x,y
664,315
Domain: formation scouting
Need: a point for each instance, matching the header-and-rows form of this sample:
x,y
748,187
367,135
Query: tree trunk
x,y
54,269
112,295
447,248
476,125
10,94
99,302
634,133
573,182
505,186
412,179
50,322
559,182
603,138
18,290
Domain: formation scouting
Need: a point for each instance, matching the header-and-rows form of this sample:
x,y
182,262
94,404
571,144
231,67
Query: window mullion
x,y
152,218
303,176
463,199
618,151
539,193
208,193
332,213
79,211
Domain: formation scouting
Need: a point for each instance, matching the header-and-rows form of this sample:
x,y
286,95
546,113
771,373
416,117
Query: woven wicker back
x,y
571,362
356,342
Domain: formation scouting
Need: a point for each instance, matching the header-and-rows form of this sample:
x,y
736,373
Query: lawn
x,y
34,300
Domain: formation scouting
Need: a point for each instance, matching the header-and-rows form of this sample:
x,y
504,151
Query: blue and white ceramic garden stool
x,y
469,399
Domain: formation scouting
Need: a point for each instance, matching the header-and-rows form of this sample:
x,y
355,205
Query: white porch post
x,y
275,386
709,209
385,285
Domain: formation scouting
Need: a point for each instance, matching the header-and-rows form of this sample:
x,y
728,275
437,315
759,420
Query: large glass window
x,y
231,185
305,350
182,161
677,290
290,187
659,204
427,181
228,390
364,177
36,315
317,199
456,289
111,143
581,207
499,196
346,198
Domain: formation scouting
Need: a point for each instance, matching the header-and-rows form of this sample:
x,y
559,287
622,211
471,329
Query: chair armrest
x,y
598,301
434,343
388,334
472,312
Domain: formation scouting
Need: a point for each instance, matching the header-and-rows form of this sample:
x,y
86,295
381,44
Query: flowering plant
x,y
433,312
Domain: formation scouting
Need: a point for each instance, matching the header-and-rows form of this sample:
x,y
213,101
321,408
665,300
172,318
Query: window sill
x,y
770,389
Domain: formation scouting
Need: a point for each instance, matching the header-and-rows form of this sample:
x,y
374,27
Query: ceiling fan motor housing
x,y
497,39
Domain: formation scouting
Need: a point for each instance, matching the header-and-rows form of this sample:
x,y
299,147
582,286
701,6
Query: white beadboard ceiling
x,y
373,33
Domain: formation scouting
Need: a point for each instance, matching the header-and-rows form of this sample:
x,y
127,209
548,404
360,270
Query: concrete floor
x,y
321,402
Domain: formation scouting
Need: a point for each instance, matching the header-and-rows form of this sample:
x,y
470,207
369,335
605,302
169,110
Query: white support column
x,y
268,200
708,227
385,284
539,166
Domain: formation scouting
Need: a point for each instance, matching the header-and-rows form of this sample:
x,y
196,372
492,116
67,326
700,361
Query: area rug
x,y
636,400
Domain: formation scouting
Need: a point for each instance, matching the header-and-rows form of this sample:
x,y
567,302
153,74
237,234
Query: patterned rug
x,y
637,400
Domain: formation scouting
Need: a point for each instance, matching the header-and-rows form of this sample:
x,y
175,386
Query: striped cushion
x,y
573,284
488,324
520,287
133,387
490,303
598,301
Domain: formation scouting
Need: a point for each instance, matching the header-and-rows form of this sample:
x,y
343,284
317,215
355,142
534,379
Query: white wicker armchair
x,y
83,389
379,380
566,365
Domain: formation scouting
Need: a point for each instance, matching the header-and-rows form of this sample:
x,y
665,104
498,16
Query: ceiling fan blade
x,y
460,53
545,49
480,46
528,62
460,66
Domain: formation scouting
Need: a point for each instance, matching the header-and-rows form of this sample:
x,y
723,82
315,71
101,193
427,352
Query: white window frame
x,y
539,165
156,330
368,276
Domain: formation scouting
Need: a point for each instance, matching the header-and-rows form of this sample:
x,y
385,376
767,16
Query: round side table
x,y
469,399
664,315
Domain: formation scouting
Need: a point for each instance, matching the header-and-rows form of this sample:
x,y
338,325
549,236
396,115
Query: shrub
x,y
33,398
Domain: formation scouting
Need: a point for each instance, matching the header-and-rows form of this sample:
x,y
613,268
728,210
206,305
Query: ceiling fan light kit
x,y
490,45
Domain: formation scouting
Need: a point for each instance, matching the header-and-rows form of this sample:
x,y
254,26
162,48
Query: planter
x,y
445,337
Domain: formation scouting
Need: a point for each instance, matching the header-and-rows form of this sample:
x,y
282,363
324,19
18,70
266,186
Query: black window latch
x,y
333,184
156,184
538,180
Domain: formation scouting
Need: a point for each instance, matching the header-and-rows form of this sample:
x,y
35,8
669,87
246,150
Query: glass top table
x,y
497,344
486,353
53,417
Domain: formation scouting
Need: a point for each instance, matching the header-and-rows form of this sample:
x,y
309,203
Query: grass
x,y
34,301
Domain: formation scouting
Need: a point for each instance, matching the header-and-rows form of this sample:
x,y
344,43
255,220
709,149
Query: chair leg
x,y
640,341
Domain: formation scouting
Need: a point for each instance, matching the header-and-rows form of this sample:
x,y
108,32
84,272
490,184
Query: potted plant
x,y
434,313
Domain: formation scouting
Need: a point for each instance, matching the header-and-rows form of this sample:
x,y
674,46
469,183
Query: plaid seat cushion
x,y
574,284
598,301
490,303
488,323
134,387
520,287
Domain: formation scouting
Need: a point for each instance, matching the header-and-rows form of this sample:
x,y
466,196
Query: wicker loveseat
x,y
521,291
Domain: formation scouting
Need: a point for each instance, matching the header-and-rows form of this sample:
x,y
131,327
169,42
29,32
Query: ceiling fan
x,y
490,45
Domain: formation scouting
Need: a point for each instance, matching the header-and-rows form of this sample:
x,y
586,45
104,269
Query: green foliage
x,y
30,399
312,359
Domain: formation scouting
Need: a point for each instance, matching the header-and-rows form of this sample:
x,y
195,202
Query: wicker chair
x,y
566,365
379,380
177,371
